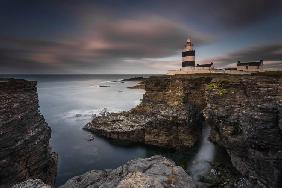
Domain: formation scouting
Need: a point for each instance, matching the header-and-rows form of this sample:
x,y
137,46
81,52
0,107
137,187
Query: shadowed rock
x,y
24,135
244,113
246,121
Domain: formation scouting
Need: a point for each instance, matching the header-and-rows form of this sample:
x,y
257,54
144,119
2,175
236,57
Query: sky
x,y
129,36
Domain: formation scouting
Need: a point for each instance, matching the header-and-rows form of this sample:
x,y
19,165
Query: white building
x,y
189,66
255,66
188,62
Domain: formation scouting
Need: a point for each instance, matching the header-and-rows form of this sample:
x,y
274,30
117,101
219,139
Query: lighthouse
x,y
188,55
188,62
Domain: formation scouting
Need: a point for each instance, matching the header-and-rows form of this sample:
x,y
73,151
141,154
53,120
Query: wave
x,y
87,114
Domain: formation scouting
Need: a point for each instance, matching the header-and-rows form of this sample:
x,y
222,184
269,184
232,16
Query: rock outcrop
x,y
168,115
32,183
134,79
246,118
244,112
24,135
155,171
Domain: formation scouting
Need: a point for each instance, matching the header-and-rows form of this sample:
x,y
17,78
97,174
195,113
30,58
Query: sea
x,y
68,102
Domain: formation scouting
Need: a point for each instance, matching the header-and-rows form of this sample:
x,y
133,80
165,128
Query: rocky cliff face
x,y
246,118
24,135
244,113
32,183
168,115
155,171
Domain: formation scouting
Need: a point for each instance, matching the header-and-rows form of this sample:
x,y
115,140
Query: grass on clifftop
x,y
218,86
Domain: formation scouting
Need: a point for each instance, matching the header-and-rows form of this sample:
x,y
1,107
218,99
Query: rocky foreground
x,y
243,111
24,135
155,172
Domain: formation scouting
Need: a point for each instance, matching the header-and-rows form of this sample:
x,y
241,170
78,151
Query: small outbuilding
x,y
254,66
208,66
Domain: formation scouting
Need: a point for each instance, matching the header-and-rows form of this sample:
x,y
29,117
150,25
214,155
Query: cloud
x,y
106,36
141,37
235,14
107,47
231,14
271,53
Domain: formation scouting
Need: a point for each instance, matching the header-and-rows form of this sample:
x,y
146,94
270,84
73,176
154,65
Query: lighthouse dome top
x,y
188,42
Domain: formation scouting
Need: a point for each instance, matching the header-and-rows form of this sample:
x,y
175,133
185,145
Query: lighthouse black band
x,y
188,64
188,53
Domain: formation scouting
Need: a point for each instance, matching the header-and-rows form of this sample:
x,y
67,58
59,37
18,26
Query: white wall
x,y
250,68
188,48
188,58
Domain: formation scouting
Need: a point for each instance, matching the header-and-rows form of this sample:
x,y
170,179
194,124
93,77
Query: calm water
x,y
68,102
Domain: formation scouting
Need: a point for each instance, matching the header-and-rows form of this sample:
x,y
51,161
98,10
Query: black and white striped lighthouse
x,y
188,55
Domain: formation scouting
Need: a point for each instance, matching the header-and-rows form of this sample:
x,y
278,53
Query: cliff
x,y
245,116
244,113
24,135
168,115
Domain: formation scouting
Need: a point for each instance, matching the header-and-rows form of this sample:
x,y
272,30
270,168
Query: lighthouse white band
x,y
188,58
188,48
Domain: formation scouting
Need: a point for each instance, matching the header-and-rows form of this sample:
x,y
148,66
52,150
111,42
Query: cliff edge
x,y
168,115
24,135
244,112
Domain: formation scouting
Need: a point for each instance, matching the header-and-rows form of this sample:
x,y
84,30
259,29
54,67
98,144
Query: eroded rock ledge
x,y
243,111
168,115
155,171
24,135
246,119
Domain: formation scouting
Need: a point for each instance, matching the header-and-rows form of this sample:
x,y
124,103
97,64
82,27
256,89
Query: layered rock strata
x,y
155,171
168,115
246,118
24,135
244,113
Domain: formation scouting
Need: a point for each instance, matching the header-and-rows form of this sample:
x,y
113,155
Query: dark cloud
x,y
244,12
238,13
231,14
271,53
107,46
142,37
103,35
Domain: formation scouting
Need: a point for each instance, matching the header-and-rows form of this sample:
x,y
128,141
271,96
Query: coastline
x,y
172,105
216,98
25,151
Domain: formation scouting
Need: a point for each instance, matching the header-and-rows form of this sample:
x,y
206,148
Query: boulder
x,y
32,183
155,171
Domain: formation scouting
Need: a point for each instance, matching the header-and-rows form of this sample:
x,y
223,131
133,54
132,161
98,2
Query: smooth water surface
x,y
68,105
